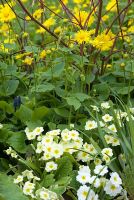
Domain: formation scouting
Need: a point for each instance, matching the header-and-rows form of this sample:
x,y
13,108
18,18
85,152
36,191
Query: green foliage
x,y
9,190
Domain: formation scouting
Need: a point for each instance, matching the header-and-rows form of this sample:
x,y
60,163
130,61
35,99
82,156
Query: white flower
x,y
9,151
39,147
47,140
105,105
115,179
106,158
97,161
14,154
108,139
107,118
30,134
115,141
84,156
65,135
54,132
74,134
101,170
71,125
101,124
57,150
18,179
92,179
89,148
112,128
97,183
1,126
28,174
83,178
111,189
92,195
95,108
44,195
82,192
90,125
131,110
107,151
28,188
84,169
46,156
51,166
38,130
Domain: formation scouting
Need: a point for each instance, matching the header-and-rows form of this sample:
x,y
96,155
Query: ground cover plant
x,y
66,99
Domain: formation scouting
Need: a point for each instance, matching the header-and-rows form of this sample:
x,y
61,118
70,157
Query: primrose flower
x,y
107,151
101,170
111,189
82,192
51,166
90,125
115,179
107,118
18,179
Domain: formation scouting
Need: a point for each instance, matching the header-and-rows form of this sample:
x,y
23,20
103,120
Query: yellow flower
x,y
37,13
83,36
58,30
42,54
103,41
4,29
105,17
78,1
111,6
48,23
6,13
28,60
130,29
82,17
2,48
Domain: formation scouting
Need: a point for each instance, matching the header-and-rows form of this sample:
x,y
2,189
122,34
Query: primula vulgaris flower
x,y
111,189
90,125
107,118
51,166
115,179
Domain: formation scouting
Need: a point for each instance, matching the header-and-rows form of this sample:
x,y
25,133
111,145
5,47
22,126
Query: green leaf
x,y
39,113
64,181
46,87
48,180
81,96
74,184
62,112
72,101
64,167
9,87
24,114
9,190
17,141
4,133
6,107
59,190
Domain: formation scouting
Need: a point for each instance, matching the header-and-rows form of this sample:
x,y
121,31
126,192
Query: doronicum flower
x,y
83,36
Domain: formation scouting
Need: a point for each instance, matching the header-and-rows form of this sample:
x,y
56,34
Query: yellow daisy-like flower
x,y
28,60
6,13
37,13
83,36
104,41
42,54
111,6
82,17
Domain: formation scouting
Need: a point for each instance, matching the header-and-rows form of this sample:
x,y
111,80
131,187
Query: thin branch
x,y
41,25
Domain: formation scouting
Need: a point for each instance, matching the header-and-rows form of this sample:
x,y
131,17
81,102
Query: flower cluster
x,y
29,184
97,179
